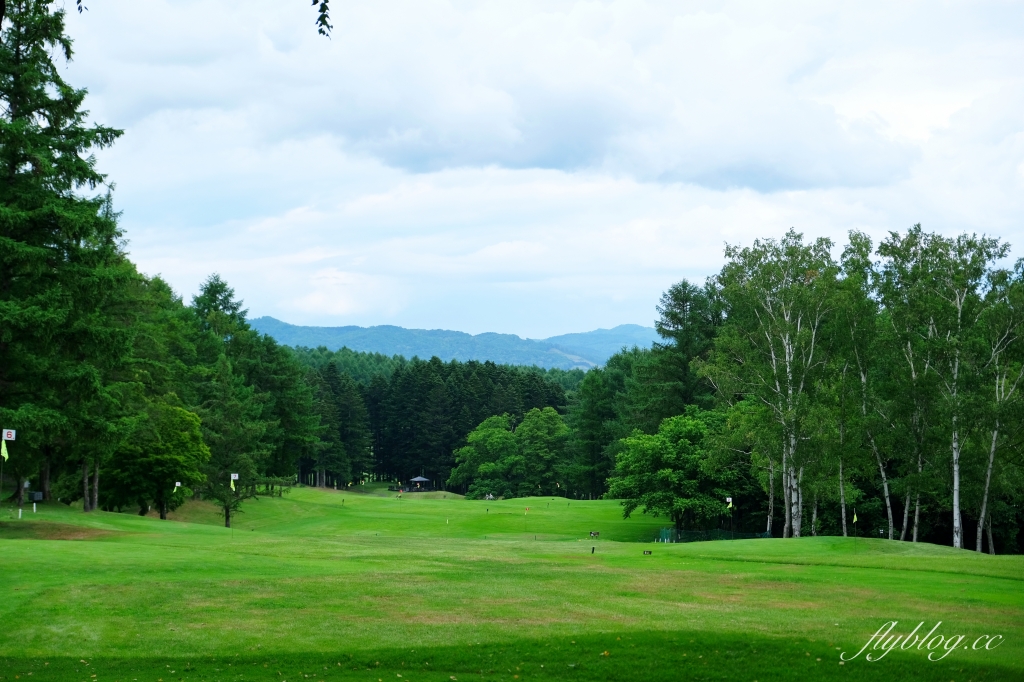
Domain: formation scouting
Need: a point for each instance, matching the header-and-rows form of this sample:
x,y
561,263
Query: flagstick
x,y
3,451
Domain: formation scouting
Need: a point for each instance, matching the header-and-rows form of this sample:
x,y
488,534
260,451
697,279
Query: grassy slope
x,y
437,588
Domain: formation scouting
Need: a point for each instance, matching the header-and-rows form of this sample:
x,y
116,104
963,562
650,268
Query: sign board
x,y
234,477
177,484
9,434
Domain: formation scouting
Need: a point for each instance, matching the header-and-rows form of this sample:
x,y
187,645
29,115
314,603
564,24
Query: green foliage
x,y
638,388
230,412
64,281
423,414
673,472
504,460
165,447
362,367
344,454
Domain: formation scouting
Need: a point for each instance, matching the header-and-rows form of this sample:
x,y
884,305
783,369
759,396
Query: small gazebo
x,y
420,481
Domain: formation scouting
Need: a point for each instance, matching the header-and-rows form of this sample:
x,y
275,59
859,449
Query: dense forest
x,y
807,388
406,418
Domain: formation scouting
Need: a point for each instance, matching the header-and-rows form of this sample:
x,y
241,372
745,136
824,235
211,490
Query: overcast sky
x,y
538,168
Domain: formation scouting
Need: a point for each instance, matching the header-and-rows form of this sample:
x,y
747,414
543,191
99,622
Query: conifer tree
x,y
63,327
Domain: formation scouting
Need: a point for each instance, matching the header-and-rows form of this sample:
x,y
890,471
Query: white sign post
x,y
8,434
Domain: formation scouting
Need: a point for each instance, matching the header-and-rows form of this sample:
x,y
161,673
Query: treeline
x,y
883,384
633,392
126,398
899,365
363,366
878,392
409,422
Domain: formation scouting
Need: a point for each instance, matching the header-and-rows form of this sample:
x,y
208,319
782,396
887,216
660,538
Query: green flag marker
x,y
3,449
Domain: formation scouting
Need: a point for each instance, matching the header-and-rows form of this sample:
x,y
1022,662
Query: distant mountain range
x,y
568,351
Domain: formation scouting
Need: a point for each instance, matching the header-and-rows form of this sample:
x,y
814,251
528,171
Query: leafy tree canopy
x,y
672,472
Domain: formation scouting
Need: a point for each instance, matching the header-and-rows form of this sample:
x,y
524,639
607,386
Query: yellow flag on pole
x,y
855,516
3,449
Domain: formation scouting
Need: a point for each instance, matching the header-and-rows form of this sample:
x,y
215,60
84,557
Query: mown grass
x,y
339,585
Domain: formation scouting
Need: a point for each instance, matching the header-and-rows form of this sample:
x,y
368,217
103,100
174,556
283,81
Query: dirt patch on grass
x,y
47,530
194,511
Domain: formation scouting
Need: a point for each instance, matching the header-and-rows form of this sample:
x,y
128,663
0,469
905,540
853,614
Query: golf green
x,y
333,585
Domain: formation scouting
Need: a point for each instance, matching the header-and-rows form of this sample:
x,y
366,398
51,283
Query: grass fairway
x,y
325,585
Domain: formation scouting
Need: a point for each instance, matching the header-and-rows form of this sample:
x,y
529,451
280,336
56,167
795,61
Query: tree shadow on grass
x,y
628,655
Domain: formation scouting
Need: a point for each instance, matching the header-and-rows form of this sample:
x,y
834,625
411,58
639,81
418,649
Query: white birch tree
x,y
859,314
778,296
1002,326
933,288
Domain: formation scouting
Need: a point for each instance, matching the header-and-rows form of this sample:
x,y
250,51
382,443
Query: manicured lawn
x,y
332,585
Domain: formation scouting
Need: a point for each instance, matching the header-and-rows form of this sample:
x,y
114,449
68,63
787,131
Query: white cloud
x,y
538,167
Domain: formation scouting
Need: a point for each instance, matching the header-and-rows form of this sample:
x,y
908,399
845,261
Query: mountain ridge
x,y
566,351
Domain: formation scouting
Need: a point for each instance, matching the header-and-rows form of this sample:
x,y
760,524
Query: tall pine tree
x,y
63,329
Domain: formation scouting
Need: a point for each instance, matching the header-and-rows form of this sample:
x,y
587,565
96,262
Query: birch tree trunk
x,y
842,496
874,445
787,530
795,502
958,531
885,482
906,516
771,495
917,497
85,486
988,481
800,497
991,545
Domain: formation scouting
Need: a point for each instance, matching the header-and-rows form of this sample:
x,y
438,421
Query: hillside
x,y
568,351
